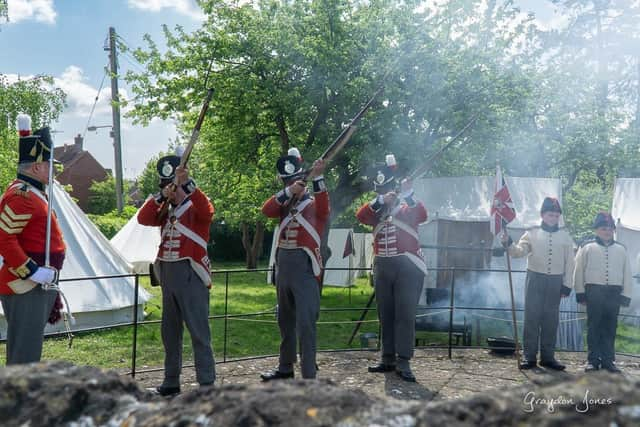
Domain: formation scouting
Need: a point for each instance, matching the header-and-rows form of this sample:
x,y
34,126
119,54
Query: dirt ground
x,y
469,371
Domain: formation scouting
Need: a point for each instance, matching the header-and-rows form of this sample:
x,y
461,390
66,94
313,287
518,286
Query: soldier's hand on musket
x,y
298,187
169,191
317,168
390,198
182,175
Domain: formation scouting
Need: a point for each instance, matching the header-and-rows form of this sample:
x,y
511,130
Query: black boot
x,y
382,367
275,375
406,375
167,391
611,367
553,364
528,364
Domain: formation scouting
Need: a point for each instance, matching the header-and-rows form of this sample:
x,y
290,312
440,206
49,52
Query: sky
x,y
65,39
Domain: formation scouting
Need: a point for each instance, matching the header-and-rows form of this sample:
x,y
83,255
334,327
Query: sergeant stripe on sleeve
x,y
12,223
9,230
14,216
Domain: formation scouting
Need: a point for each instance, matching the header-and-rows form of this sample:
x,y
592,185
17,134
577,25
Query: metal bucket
x,y
369,340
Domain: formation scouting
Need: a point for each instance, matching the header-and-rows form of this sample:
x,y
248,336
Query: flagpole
x,y
513,301
499,185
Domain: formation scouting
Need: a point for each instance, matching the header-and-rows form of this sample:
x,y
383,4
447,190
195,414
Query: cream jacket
x,y
598,264
547,252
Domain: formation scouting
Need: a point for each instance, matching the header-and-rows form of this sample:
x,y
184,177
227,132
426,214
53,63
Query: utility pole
x,y
115,112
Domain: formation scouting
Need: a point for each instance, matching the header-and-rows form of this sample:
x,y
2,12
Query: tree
x,y
148,179
102,196
35,96
292,73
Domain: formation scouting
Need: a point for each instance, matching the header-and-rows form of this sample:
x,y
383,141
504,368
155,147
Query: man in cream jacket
x,y
603,282
550,261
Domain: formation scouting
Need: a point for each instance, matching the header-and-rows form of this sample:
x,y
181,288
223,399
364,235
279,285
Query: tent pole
x,y
135,326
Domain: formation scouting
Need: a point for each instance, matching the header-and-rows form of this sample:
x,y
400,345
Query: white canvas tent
x,y
363,243
465,203
337,241
468,200
138,244
95,303
626,212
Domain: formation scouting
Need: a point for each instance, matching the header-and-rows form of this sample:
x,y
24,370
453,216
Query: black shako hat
x,y
166,167
604,219
36,147
384,175
290,166
550,204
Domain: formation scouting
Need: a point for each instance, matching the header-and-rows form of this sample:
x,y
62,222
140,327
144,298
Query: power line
x,y
104,75
128,58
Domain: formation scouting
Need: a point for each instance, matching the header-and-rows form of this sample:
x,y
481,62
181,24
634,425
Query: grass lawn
x,y
258,335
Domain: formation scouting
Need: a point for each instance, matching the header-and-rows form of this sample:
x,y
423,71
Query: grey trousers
x,y
185,301
27,316
398,283
298,310
541,315
603,307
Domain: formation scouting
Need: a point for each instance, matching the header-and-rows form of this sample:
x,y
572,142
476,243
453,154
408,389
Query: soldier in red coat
x,y
26,302
298,262
399,267
182,268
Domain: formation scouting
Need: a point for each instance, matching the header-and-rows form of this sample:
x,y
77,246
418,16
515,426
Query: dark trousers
x,y
603,306
27,316
398,283
185,301
541,315
298,310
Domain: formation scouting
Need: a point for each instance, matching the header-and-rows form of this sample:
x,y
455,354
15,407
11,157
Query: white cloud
x,y
37,10
184,7
80,94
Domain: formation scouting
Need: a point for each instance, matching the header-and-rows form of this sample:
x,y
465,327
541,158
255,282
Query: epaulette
x,y
23,191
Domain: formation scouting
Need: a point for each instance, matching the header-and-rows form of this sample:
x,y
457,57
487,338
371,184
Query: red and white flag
x,y
349,248
502,210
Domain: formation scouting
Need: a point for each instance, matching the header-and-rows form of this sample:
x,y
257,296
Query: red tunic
x,y
185,238
23,227
397,234
302,229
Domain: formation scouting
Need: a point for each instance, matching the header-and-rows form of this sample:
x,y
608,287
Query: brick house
x,y
81,169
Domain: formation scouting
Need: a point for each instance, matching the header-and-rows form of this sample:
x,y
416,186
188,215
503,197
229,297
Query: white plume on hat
x,y
390,160
24,124
293,151
179,150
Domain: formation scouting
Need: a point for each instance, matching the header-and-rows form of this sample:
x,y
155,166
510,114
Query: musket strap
x,y
299,208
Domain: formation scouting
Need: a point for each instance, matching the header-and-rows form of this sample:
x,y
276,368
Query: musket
x,y
196,130
342,139
189,148
332,150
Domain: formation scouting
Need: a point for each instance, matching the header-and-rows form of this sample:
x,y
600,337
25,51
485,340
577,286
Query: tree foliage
x,y
102,196
292,73
35,96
